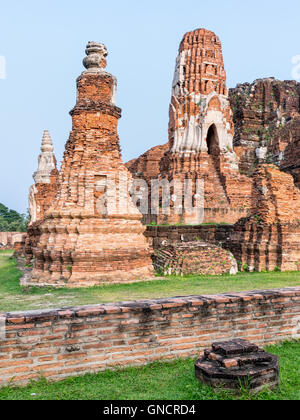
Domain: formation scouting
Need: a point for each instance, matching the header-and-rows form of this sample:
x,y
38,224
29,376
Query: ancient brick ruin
x,y
92,232
231,143
200,137
236,365
238,150
269,239
197,257
267,125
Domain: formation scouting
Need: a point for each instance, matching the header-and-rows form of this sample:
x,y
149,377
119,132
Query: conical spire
x,y
47,161
47,145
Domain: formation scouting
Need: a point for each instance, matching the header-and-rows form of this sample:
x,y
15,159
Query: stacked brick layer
x,y
255,246
260,247
147,166
275,199
66,342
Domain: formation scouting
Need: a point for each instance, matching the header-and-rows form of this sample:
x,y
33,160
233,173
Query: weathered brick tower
x,y
92,233
201,131
200,114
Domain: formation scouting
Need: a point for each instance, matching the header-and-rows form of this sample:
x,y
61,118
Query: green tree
x,y
11,220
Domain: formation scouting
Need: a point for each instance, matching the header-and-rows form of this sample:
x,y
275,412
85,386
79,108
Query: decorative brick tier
x,y
238,364
58,343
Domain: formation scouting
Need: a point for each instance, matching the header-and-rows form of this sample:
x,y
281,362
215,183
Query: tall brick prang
x,y
200,98
201,133
92,233
199,160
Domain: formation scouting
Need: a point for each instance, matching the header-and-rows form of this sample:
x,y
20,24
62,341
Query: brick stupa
x,y
92,233
41,194
43,191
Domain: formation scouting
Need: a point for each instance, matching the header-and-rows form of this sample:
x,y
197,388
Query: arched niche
x,y
212,140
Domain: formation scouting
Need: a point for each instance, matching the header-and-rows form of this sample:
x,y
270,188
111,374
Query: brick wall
x,y
67,342
156,235
8,239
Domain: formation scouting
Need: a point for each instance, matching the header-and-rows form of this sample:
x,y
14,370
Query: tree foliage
x,y
11,220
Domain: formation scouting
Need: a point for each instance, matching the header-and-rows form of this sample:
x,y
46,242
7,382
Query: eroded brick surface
x,y
267,124
269,239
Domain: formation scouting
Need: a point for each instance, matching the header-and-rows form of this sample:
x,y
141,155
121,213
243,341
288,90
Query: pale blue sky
x,y
43,43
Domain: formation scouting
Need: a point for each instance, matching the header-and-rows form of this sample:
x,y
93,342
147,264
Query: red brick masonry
x,y
65,342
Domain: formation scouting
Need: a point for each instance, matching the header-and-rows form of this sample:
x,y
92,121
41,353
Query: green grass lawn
x,y
15,298
159,381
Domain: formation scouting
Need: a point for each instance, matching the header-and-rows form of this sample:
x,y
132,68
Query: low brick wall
x,y
156,235
66,342
9,239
